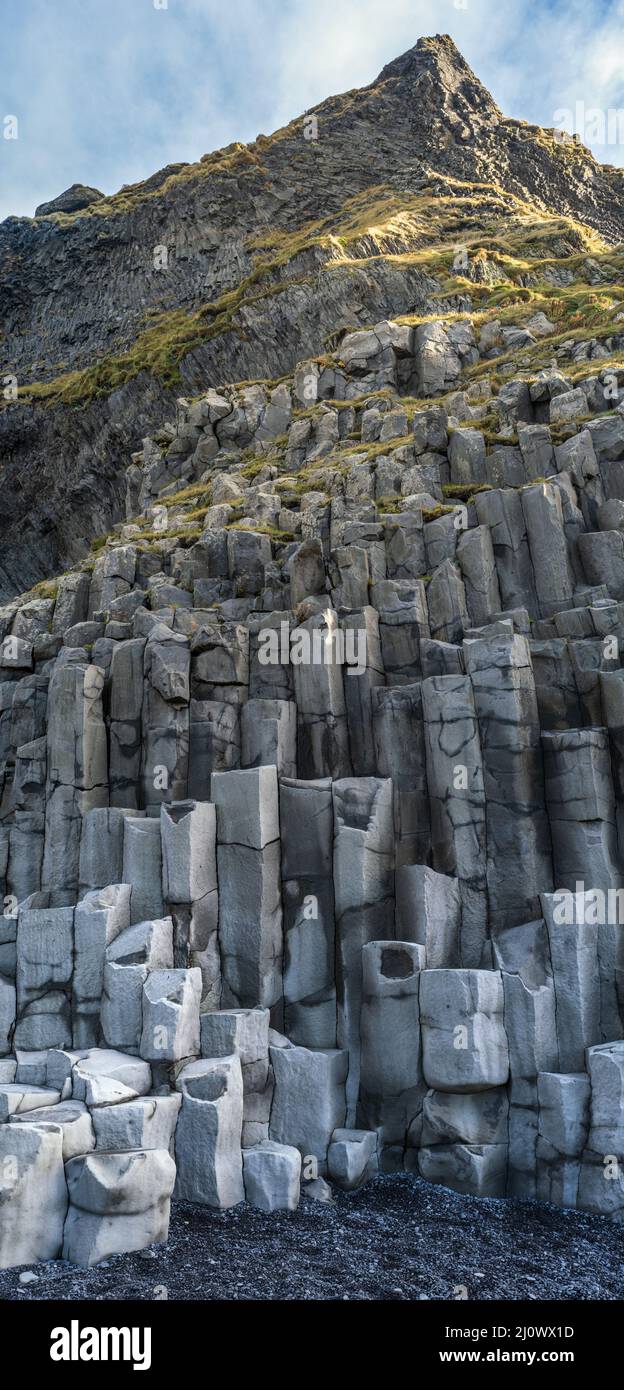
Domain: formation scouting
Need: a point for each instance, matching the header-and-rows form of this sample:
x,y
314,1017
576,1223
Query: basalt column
x,y
457,801
250,903
518,837
188,835
323,736
77,771
307,832
165,718
364,895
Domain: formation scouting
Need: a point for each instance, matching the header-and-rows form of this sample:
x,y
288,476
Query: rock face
x,y
72,200
181,252
312,773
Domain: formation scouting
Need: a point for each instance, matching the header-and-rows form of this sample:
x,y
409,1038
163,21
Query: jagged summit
x,y
438,63
440,89
431,51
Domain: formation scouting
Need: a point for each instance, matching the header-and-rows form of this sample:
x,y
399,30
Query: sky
x,y
105,92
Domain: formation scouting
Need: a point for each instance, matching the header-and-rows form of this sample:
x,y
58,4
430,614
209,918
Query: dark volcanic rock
x,y
78,290
401,447
396,1240
72,200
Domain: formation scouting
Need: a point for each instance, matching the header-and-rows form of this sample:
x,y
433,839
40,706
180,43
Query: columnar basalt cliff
x,y
312,836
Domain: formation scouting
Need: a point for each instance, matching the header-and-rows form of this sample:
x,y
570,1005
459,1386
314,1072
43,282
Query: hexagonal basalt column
x,y
463,1037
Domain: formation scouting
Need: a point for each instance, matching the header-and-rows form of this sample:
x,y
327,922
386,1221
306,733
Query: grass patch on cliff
x,y
159,349
169,337
233,158
46,589
258,464
195,492
380,219
263,528
387,505
464,491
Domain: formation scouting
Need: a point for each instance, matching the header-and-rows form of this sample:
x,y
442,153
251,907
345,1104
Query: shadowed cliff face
x,y
76,286
231,269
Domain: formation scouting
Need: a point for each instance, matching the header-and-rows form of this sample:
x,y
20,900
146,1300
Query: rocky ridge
x,y
312,768
237,267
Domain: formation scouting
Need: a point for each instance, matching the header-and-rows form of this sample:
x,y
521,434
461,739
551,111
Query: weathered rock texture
x,y
312,774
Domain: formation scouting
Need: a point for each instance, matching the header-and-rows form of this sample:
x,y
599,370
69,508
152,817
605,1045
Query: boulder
x,y
272,1175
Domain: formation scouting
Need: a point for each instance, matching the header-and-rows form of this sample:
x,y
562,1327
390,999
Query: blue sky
x,y
108,91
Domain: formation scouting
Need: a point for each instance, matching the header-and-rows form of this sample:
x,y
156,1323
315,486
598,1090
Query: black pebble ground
x,y
397,1239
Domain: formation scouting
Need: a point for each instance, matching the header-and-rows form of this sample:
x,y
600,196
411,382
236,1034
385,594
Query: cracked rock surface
x,y
311,757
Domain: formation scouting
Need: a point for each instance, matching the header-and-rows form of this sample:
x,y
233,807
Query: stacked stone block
x,y
311,848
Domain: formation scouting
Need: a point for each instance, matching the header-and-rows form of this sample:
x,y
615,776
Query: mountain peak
x,y
430,49
435,63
